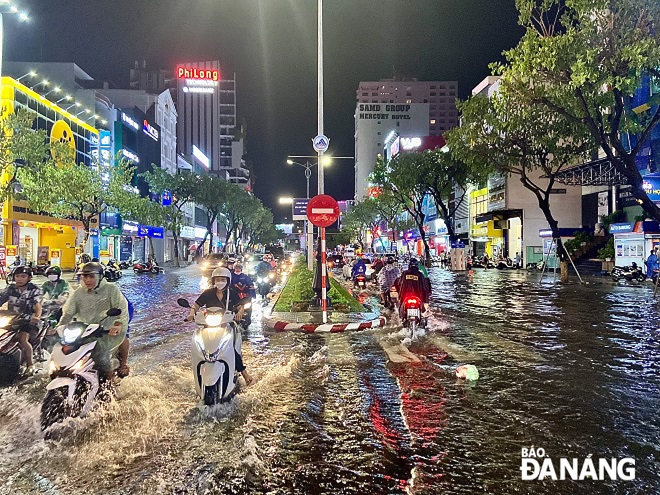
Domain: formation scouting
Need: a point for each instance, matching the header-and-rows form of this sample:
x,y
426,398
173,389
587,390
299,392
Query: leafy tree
x,y
213,194
446,173
522,140
406,176
583,59
367,214
20,145
182,189
78,192
232,210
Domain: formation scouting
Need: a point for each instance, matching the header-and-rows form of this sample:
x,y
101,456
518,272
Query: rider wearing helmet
x,y
24,300
89,303
413,283
55,289
221,295
386,278
264,267
359,268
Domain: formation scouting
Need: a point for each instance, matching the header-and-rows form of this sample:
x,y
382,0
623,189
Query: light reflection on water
x,y
572,369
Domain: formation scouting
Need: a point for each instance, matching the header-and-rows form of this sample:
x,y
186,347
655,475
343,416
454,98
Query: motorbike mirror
x,y
183,302
113,312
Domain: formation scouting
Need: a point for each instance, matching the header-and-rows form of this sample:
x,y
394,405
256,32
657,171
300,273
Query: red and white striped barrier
x,y
285,326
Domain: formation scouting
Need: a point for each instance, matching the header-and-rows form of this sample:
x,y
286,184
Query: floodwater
x,y
571,369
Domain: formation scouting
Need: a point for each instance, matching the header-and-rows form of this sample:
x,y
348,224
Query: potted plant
x,y
606,253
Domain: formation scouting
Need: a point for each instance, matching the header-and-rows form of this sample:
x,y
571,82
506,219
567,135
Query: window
x,y
379,133
425,100
432,93
398,124
379,145
408,101
374,94
432,87
365,94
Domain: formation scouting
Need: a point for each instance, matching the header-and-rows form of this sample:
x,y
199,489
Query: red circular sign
x,y
322,210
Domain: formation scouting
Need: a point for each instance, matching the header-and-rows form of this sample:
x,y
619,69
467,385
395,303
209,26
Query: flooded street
x,y
571,369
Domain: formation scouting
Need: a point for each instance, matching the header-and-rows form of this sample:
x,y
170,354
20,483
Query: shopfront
x,y
633,242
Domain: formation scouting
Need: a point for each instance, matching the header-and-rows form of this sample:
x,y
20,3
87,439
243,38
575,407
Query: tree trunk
x,y
176,248
544,204
446,217
151,248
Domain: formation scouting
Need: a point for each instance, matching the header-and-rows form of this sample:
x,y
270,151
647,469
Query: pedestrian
x,y
652,264
486,260
518,260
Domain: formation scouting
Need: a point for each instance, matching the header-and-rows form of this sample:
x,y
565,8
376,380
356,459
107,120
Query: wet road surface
x,y
571,369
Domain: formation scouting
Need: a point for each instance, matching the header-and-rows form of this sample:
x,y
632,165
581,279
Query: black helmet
x,y
413,263
390,260
23,269
85,258
54,270
92,267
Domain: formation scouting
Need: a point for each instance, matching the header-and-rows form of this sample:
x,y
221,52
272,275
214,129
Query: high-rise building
x,y
409,109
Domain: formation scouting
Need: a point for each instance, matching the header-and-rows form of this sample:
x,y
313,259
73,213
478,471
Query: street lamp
x,y
32,73
66,97
56,89
285,200
6,7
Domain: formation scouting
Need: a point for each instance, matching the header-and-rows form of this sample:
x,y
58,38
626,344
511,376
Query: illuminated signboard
x,y
200,74
201,157
194,89
129,121
150,130
130,155
410,143
394,147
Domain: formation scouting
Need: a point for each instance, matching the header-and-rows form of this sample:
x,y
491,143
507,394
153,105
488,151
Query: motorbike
x,y
215,344
391,297
150,266
11,355
126,264
112,272
75,382
266,283
504,264
631,273
535,266
411,308
39,269
360,282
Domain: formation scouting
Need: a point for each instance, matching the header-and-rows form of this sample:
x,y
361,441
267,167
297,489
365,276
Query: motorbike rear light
x,y
412,301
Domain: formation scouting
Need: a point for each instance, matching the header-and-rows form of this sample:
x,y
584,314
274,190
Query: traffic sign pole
x,y
324,278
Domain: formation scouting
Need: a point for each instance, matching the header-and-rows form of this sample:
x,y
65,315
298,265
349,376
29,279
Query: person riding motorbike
x,y
55,289
386,278
218,296
264,267
89,303
379,264
244,286
413,283
269,258
23,299
359,268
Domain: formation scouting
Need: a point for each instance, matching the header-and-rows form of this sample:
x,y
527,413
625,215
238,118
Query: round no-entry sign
x,y
322,210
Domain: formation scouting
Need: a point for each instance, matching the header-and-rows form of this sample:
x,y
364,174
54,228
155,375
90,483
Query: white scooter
x,y
216,342
74,380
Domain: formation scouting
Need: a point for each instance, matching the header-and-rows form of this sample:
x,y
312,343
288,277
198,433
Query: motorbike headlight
x,y
214,320
70,335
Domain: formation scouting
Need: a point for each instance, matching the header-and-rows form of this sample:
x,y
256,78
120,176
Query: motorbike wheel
x,y
53,409
413,327
9,368
154,270
211,395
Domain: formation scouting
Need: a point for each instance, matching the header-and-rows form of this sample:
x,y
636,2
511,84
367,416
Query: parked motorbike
x,y
215,344
75,382
11,355
112,272
631,273
126,264
535,266
39,269
505,264
150,266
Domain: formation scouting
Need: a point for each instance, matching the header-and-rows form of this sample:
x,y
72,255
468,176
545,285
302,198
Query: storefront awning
x,y
498,215
599,172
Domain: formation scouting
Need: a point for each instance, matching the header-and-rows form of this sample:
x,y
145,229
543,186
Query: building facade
x,y
409,109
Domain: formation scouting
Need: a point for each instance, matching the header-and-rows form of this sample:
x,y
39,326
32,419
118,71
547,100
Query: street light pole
x,y
320,91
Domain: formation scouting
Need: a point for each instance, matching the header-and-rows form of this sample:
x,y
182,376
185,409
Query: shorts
x,y
30,328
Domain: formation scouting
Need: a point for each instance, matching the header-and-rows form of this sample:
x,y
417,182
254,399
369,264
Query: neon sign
x,y
130,155
193,73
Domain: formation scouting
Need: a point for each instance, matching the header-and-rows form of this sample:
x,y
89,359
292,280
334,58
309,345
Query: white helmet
x,y
221,272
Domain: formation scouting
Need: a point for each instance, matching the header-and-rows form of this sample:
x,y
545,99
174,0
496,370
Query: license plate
x,y
413,312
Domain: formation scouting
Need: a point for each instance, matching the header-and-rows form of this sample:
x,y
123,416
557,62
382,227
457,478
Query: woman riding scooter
x,y
216,297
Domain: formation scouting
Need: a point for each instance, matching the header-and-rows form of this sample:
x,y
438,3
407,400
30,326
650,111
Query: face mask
x,y
221,284
52,278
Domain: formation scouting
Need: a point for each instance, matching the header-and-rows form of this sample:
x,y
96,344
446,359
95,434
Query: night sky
x,y
271,45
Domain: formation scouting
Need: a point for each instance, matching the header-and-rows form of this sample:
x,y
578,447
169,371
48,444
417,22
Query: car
x,y
335,261
214,260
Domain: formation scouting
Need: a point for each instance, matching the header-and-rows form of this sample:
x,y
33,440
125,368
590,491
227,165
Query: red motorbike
x,y
150,266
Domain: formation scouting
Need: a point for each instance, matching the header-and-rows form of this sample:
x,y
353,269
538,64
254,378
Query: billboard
x,y
300,209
